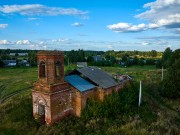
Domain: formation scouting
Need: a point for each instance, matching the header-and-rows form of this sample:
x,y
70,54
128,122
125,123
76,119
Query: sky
x,y
99,25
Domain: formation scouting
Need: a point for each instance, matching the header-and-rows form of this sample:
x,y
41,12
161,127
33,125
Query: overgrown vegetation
x,y
16,116
118,114
115,105
171,85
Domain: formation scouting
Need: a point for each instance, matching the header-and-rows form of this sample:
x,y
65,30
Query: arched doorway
x,y
41,113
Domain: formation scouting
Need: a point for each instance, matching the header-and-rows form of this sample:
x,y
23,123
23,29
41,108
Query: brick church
x,y
56,96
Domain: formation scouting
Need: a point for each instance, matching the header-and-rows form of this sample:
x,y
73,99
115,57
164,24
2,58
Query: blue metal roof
x,y
79,83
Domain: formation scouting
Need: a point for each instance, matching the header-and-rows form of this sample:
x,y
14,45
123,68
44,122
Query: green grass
x,y
16,116
15,79
137,72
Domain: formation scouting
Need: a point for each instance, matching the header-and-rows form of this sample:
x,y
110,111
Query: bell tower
x,y
50,67
51,95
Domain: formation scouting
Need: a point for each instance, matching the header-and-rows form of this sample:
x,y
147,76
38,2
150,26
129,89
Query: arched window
x,y
57,69
42,70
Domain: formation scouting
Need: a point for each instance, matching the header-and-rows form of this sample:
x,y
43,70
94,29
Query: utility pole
x,y
140,94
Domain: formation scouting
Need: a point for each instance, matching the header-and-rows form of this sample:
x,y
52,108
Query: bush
x,y
122,103
171,87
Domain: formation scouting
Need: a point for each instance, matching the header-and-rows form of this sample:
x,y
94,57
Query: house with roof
x,y
10,63
19,54
81,64
97,58
55,96
24,63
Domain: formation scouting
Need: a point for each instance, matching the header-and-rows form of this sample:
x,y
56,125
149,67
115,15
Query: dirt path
x,y
14,94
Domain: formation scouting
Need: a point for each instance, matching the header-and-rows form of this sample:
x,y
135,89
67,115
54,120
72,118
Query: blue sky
x,y
90,24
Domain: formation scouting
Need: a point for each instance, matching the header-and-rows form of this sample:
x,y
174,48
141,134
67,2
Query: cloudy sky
x,y
90,24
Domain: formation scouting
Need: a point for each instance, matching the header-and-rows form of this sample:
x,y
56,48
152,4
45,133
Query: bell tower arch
x,y
50,67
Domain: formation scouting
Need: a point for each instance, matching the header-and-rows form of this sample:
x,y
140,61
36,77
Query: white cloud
x,y
3,26
145,43
160,14
60,40
32,19
69,44
155,42
163,13
76,24
126,27
23,42
4,42
39,10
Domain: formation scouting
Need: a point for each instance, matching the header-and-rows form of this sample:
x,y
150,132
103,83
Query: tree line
x,y
109,58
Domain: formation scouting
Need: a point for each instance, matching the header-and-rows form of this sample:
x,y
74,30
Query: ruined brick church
x,y
56,96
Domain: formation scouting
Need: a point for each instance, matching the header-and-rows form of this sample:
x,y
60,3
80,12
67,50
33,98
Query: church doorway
x,y
41,113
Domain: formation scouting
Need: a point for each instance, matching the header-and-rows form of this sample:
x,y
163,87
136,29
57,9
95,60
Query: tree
x,y
153,53
135,60
5,55
90,59
175,56
124,58
170,86
1,63
16,54
159,63
166,57
141,62
80,56
32,58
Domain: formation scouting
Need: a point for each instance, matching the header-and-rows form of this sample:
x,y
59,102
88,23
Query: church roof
x,y
98,76
79,83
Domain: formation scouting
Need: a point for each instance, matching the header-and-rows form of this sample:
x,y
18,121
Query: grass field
x,y
150,73
16,113
15,79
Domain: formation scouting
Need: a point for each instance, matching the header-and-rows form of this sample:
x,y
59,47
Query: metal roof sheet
x,y
98,76
79,83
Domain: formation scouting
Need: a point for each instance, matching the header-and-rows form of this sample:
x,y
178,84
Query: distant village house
x,y
19,54
97,58
81,64
9,63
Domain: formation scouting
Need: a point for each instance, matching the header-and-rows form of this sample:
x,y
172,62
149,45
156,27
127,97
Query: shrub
x,y
122,103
